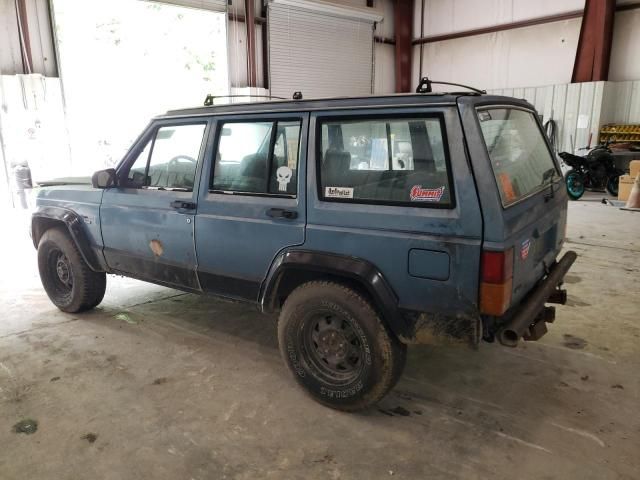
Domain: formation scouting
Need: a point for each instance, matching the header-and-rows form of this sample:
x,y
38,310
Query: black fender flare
x,y
356,269
77,232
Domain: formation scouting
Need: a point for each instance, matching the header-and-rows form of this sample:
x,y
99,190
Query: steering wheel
x,y
177,158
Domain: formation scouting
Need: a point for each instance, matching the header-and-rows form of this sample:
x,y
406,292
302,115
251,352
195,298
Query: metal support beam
x,y
265,50
403,24
25,39
594,45
250,15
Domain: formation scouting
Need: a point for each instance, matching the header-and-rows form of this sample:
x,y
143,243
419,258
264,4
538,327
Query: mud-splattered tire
x,y
337,347
69,282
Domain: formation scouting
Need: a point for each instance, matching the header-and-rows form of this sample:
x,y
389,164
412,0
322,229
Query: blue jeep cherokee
x,y
367,223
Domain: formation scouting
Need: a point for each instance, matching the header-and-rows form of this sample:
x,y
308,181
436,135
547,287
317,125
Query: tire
x,y
612,185
69,282
574,182
337,347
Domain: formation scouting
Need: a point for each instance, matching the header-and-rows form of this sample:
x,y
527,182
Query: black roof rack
x,y
424,86
208,101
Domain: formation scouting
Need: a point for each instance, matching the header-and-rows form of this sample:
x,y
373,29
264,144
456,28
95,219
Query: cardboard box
x,y
625,184
634,167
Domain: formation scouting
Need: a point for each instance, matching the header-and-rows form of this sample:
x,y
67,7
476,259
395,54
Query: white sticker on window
x,y
283,175
338,192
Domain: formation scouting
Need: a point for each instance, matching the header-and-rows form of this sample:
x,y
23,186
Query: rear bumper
x,y
530,316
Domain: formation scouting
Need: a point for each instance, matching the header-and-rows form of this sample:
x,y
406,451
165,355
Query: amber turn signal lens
x,y
497,282
495,298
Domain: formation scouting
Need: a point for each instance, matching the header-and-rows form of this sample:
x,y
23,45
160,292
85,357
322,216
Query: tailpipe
x,y
530,320
510,335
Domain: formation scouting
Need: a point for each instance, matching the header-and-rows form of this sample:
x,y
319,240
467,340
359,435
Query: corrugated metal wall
x,y
39,38
579,109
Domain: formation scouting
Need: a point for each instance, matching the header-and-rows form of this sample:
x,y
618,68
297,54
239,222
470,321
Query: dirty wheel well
x,y
293,278
41,225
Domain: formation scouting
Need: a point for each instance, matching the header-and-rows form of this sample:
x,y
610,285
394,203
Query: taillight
x,y
496,282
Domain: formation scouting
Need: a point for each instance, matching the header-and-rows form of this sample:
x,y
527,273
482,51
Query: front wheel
x,y
336,346
575,184
612,185
69,282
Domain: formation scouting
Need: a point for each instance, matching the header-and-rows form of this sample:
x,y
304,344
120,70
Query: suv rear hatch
x,y
520,188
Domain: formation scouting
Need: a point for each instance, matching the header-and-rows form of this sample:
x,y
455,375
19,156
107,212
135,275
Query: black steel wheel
x,y
62,281
333,347
69,282
337,347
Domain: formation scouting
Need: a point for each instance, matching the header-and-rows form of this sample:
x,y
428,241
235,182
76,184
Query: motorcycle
x,y
596,170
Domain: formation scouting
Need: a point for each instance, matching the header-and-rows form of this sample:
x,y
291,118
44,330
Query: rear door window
x,y
385,161
257,158
521,161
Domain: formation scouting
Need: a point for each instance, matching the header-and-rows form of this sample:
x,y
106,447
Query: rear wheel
x,y
575,184
69,282
336,346
612,185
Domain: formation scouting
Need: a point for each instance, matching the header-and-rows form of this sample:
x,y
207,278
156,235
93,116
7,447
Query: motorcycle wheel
x,y
575,184
612,185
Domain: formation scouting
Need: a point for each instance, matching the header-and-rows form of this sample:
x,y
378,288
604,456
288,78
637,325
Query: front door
x,y
147,221
251,203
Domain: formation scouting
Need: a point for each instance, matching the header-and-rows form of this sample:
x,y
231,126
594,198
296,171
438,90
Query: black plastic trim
x,y
75,226
353,268
229,287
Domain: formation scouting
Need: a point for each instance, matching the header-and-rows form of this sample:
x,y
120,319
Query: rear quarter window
x,y
395,161
520,159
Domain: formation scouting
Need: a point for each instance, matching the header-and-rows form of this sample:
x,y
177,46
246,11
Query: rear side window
x,y
257,158
385,161
521,161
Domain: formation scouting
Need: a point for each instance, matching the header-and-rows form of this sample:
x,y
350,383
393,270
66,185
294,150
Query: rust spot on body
x,y
156,247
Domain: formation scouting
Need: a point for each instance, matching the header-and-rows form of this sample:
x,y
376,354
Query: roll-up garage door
x,y
214,5
322,52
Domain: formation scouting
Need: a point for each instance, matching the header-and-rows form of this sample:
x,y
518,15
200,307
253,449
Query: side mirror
x,y
104,178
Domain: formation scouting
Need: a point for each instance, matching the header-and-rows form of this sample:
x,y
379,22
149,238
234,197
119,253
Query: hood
x,y
65,181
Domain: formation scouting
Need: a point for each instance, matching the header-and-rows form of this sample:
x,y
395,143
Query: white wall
x,y
625,51
530,56
449,16
40,38
524,57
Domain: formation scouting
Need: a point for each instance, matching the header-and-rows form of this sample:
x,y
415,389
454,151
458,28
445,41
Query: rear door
x,y
520,185
251,203
392,186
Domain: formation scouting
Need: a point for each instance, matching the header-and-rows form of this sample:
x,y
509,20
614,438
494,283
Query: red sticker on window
x,y
419,194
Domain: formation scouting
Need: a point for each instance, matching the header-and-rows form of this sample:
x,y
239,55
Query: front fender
x,y
46,217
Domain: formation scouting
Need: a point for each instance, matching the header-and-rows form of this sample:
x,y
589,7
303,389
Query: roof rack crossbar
x,y
210,98
424,86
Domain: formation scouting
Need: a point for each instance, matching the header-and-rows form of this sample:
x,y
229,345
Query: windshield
x,y
521,161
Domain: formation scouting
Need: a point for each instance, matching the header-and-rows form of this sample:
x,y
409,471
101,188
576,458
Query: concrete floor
x,y
175,386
